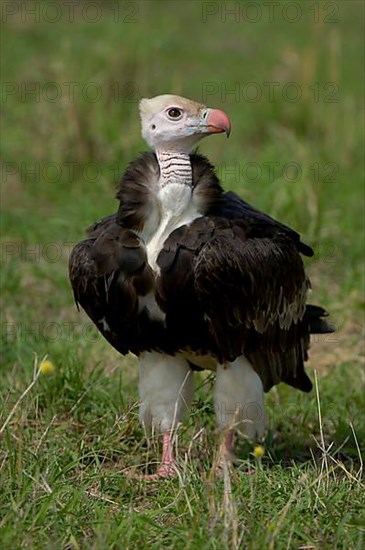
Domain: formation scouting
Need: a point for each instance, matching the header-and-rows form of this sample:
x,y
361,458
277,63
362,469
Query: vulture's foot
x,y
168,464
166,470
168,467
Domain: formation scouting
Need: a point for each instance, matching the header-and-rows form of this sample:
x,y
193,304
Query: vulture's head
x,y
171,122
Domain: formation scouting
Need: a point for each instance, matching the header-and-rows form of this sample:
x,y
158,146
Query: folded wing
x,y
109,274
249,286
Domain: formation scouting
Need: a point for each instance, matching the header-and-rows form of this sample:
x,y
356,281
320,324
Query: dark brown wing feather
x,y
108,271
249,290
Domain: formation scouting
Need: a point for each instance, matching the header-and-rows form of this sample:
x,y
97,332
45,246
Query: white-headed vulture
x,y
187,276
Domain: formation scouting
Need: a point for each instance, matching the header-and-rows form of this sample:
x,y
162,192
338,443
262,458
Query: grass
x,y
66,448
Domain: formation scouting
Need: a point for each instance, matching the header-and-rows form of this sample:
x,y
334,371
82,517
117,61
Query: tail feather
x,y
314,315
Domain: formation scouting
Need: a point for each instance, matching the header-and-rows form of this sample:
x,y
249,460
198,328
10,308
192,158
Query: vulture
x,y
187,277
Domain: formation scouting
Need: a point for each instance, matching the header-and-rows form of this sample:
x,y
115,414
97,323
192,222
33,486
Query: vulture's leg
x,y
239,403
166,391
226,449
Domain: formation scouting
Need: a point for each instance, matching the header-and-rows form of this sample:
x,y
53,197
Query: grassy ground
x,y
296,150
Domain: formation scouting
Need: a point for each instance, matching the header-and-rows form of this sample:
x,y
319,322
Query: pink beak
x,y
218,122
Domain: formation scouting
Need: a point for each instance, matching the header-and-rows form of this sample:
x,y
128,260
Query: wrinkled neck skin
x,y
175,183
175,198
175,167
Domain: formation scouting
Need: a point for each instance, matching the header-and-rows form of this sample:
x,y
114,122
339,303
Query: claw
x,y
166,470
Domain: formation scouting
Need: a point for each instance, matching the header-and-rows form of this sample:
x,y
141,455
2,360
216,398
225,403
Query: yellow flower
x,y
258,452
46,367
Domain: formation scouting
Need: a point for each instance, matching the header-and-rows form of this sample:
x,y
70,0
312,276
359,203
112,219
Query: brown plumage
x,y
187,276
231,283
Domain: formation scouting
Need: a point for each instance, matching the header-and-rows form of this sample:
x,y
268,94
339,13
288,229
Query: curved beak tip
x,y
219,122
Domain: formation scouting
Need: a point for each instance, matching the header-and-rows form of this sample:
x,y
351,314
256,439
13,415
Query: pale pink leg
x,y
226,450
168,463
226,455
228,442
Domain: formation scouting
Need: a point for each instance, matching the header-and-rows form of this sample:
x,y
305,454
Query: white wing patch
x,y
149,303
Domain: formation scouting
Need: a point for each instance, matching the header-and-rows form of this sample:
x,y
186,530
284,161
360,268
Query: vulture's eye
x,y
174,113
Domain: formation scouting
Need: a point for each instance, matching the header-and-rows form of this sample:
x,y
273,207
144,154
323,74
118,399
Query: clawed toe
x,y
165,471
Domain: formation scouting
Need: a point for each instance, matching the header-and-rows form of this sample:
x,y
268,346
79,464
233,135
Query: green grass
x,y
66,449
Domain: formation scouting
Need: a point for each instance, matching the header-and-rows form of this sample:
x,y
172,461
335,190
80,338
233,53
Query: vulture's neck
x,y
175,167
175,191
175,187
